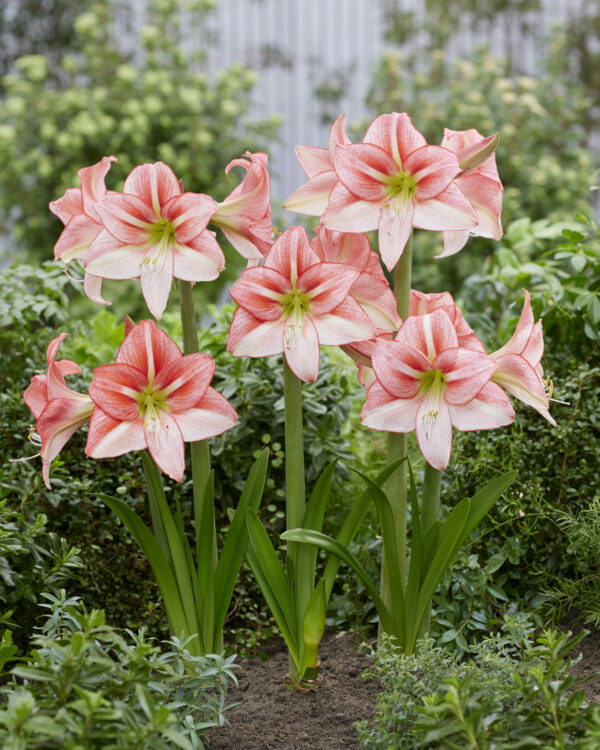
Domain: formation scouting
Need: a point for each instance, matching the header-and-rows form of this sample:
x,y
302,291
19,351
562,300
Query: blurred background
x,y
196,82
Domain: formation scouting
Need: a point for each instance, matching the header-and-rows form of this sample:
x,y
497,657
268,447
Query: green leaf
x,y
416,558
332,546
163,573
352,524
482,502
236,540
272,581
390,550
449,535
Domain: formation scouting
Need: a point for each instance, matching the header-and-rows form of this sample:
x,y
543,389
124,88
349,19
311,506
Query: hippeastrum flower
x,y
59,411
294,303
77,211
317,163
371,289
155,231
426,382
394,181
480,183
519,368
154,397
245,215
422,304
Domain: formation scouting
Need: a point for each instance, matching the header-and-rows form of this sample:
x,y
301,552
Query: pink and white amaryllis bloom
x,y
77,211
294,303
480,185
154,397
245,215
426,382
59,411
423,304
393,181
155,231
317,163
519,368
371,289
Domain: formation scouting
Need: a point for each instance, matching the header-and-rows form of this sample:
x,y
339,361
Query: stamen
x,y
33,436
549,388
429,418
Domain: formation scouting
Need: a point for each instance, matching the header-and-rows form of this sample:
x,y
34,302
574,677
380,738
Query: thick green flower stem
x,y
430,512
397,485
199,450
295,495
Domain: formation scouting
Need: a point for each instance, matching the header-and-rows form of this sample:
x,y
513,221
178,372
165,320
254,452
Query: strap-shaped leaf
x,y
449,534
429,546
183,573
154,488
313,519
236,540
390,549
274,584
158,562
416,558
206,556
483,501
332,546
352,524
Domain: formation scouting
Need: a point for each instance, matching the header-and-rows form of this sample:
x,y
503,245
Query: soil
x,y
273,717
270,716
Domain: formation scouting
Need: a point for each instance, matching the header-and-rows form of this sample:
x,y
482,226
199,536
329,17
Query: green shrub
x,y
86,684
145,104
509,693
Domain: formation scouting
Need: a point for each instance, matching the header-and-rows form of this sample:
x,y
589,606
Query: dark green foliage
x,y
511,692
86,684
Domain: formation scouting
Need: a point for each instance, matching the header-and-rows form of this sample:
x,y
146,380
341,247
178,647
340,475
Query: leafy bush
x,y
86,684
510,693
143,101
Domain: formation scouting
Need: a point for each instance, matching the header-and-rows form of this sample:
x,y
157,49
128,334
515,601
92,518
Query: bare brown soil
x,y
270,716
273,717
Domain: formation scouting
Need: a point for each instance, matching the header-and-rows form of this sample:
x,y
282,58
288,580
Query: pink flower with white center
x,y
480,185
154,397
59,411
393,181
294,303
77,211
155,231
426,382
317,163
371,289
519,369
245,215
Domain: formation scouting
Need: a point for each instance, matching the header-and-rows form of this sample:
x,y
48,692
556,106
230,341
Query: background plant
x,y
86,684
515,690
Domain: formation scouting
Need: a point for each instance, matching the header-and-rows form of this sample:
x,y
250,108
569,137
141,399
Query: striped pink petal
x,y
183,382
344,324
291,254
189,213
490,409
313,197
448,210
433,169
399,367
127,218
76,238
201,259
108,437
211,416
345,213
153,184
431,334
382,411
466,372
302,352
251,337
395,225
326,285
395,134
364,169
261,291
148,349
434,430
115,389
165,444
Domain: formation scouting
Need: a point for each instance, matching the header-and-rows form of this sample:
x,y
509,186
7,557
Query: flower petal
x,y
211,416
346,213
313,197
327,285
108,437
165,444
433,168
92,178
114,389
364,169
184,380
291,254
302,354
399,367
109,258
69,206
434,430
395,226
453,243
520,379
448,210
189,213
490,409
466,372
345,324
148,349
261,291
395,134
314,160
156,284
92,286
127,218
251,337
431,334
76,238
153,184
201,259
382,411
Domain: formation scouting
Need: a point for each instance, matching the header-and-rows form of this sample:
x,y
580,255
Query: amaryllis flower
x,y
245,215
371,289
480,185
519,368
77,211
422,304
317,163
426,382
394,181
153,397
155,231
294,303
59,411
